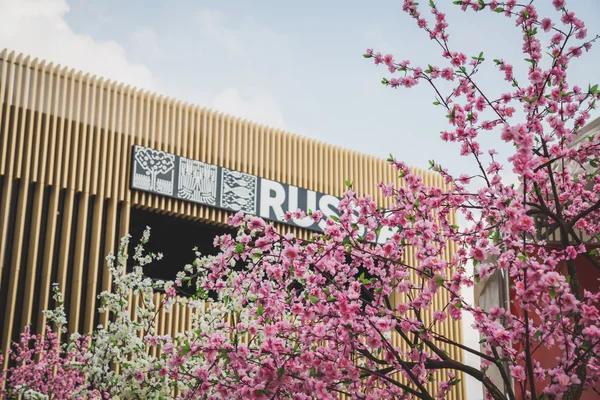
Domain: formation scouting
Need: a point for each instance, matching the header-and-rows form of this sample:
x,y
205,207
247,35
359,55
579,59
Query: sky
x,y
292,65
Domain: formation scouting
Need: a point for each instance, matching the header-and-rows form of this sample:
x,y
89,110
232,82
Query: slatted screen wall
x,y
65,154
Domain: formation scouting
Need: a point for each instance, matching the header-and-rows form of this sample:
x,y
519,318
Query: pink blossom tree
x,y
342,315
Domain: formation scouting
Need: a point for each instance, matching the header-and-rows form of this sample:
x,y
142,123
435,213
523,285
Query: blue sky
x,y
293,65
297,65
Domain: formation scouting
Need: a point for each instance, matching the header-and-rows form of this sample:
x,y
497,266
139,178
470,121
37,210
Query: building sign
x,y
167,174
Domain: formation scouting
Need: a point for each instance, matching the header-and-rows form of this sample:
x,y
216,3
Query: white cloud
x,y
38,28
239,37
145,40
255,106
212,24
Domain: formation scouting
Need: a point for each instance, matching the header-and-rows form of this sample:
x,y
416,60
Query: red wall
x,y
589,279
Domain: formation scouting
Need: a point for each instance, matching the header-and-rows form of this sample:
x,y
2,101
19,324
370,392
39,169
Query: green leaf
x,y
417,202
594,252
384,81
431,4
280,372
496,236
594,89
364,280
390,158
531,32
479,57
239,248
483,340
313,299
225,356
458,2
455,381
482,4
379,290
259,310
439,280
186,349
334,217
498,9
454,226
348,184
552,293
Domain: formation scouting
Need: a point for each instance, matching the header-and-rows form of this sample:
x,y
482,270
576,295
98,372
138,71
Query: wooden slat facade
x,y
65,159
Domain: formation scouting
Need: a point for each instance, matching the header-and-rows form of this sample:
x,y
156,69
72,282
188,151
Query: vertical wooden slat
x,y
47,265
95,174
72,143
83,135
113,134
78,262
92,263
5,86
109,242
21,208
34,231
15,263
32,256
40,92
57,131
23,105
40,168
70,159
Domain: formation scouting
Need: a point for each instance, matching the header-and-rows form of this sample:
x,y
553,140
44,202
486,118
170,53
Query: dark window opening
x,y
176,239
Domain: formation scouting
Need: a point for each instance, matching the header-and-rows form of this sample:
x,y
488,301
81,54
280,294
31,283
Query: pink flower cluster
x,y
557,169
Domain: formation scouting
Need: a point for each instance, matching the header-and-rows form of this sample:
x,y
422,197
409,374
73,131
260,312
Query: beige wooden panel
x,y
74,132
